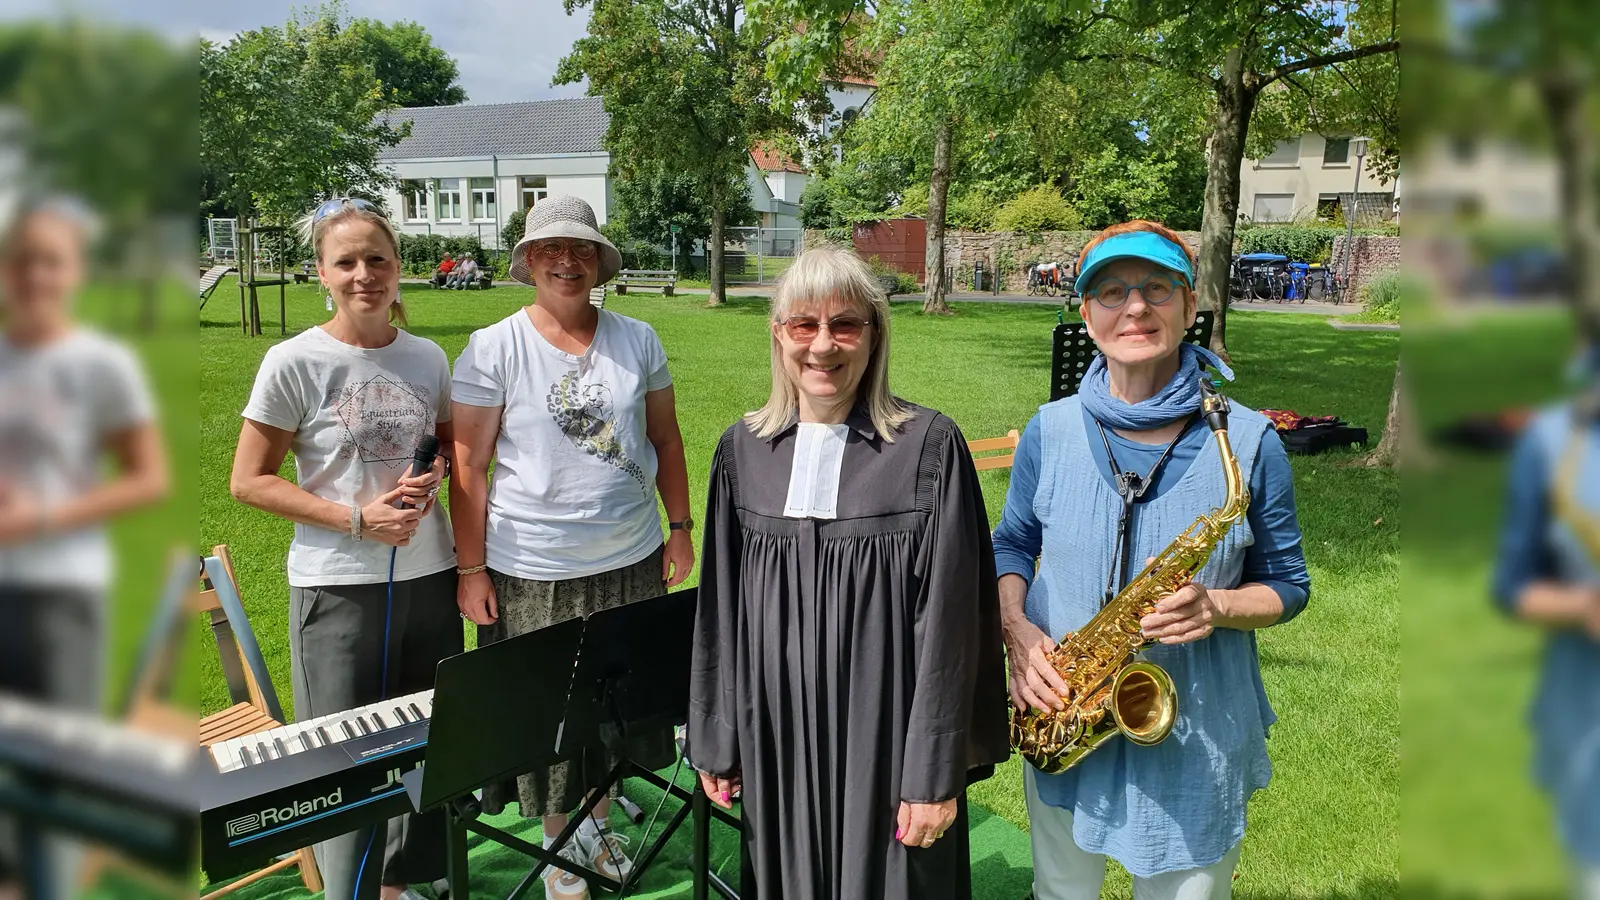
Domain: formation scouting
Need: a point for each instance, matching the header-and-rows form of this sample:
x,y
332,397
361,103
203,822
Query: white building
x,y
1491,179
1307,178
463,169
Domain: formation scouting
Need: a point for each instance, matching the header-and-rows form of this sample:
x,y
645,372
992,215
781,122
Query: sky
x,y
507,50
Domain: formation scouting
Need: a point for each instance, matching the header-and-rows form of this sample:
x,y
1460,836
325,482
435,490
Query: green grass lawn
x,y
1329,824
1473,823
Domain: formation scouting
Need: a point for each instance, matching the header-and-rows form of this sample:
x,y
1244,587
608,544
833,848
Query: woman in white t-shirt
x,y
574,406
371,586
72,400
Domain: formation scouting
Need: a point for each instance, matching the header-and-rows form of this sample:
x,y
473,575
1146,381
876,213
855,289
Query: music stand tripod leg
x,y
456,861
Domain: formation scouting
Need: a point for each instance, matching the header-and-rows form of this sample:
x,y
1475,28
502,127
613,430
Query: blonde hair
x,y
312,230
829,273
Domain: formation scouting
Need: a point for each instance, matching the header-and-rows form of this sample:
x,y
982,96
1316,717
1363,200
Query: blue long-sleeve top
x,y
1276,559
1525,553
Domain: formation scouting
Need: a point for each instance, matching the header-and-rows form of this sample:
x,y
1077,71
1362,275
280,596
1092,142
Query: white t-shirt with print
x,y
357,415
59,403
574,486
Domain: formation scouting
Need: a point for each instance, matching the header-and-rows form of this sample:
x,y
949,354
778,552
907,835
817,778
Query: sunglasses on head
x,y
333,206
844,329
552,249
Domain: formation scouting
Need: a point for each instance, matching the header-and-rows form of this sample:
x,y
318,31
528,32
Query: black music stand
x,y
596,680
632,676
478,687
1071,351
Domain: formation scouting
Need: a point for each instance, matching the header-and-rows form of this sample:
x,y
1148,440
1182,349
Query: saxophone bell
x,y
1144,703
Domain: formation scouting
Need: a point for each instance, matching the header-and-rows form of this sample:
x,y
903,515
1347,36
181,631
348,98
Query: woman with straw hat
x,y
575,407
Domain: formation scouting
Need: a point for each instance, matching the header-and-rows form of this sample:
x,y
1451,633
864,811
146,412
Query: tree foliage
x,y
651,199
411,69
685,87
105,114
290,115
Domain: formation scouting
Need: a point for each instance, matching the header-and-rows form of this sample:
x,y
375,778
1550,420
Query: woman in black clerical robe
x,y
848,678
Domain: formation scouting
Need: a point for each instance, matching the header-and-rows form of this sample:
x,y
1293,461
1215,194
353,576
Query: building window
x,y
1336,152
848,116
533,190
483,199
449,199
1287,153
1273,208
414,200
1328,206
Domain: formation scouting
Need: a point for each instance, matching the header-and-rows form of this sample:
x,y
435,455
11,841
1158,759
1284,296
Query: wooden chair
x,y
1003,460
255,704
209,279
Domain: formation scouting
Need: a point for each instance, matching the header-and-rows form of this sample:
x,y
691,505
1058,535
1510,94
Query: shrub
x,y
420,253
637,254
511,232
1302,243
974,211
1382,296
1040,208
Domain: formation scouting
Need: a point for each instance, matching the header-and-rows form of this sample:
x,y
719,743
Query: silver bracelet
x,y
355,521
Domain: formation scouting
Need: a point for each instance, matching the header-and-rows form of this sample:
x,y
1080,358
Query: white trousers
x,y
1063,871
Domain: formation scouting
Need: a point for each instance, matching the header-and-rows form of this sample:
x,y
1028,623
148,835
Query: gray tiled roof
x,y
534,128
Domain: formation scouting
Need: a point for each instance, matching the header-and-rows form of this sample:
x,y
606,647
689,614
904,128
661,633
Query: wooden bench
x,y
1002,460
663,280
306,273
597,297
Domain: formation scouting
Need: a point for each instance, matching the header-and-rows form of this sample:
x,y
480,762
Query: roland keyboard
x,y
78,774
276,791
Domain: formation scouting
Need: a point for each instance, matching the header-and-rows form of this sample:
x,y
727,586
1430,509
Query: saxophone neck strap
x,y
1131,487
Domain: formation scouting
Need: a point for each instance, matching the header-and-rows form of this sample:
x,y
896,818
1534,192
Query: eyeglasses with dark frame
x,y
1113,293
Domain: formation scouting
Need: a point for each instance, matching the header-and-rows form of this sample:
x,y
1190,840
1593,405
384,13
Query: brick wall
x,y
1375,256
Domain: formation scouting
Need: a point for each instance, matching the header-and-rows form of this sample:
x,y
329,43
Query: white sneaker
x,y
559,884
604,850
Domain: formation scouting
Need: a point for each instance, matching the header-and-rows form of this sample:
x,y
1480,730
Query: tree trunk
x,y
938,192
714,268
1225,152
1387,453
1565,95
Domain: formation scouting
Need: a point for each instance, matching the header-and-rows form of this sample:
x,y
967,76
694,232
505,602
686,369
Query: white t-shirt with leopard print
x,y
357,415
574,487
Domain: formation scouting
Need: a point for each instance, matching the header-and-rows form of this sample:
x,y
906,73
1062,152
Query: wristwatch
x,y
687,524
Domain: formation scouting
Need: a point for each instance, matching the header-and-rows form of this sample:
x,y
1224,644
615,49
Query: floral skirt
x,y
526,605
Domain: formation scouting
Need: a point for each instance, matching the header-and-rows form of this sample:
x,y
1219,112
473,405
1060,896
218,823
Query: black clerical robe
x,y
842,666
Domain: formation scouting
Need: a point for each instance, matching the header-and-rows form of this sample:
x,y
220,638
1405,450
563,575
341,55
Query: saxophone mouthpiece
x,y
1213,405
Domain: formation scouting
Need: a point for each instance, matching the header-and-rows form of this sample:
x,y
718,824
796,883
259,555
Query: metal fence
x,y
760,255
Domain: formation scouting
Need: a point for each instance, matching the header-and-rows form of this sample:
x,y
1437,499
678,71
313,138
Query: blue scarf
x,y
1179,398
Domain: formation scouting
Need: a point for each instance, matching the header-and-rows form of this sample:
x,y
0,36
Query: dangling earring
x,y
327,298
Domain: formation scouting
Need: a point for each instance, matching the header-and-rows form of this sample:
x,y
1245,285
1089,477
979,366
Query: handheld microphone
x,y
421,462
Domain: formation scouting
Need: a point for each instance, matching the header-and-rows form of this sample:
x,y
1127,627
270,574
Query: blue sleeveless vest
x,y
1180,804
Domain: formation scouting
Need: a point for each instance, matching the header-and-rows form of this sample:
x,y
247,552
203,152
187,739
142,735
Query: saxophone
x,y
1110,691
1564,503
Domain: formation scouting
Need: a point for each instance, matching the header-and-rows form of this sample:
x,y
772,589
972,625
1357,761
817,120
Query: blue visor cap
x,y
1144,245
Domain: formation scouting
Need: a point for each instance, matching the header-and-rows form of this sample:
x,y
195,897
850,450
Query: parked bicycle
x,y
1044,279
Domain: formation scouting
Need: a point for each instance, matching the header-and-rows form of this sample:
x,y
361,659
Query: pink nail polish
x,y
899,833
724,796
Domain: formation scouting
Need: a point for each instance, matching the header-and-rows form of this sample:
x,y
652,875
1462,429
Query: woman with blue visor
x,y
1104,480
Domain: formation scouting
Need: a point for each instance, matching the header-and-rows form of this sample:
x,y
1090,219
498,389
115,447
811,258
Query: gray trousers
x,y
336,655
52,649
